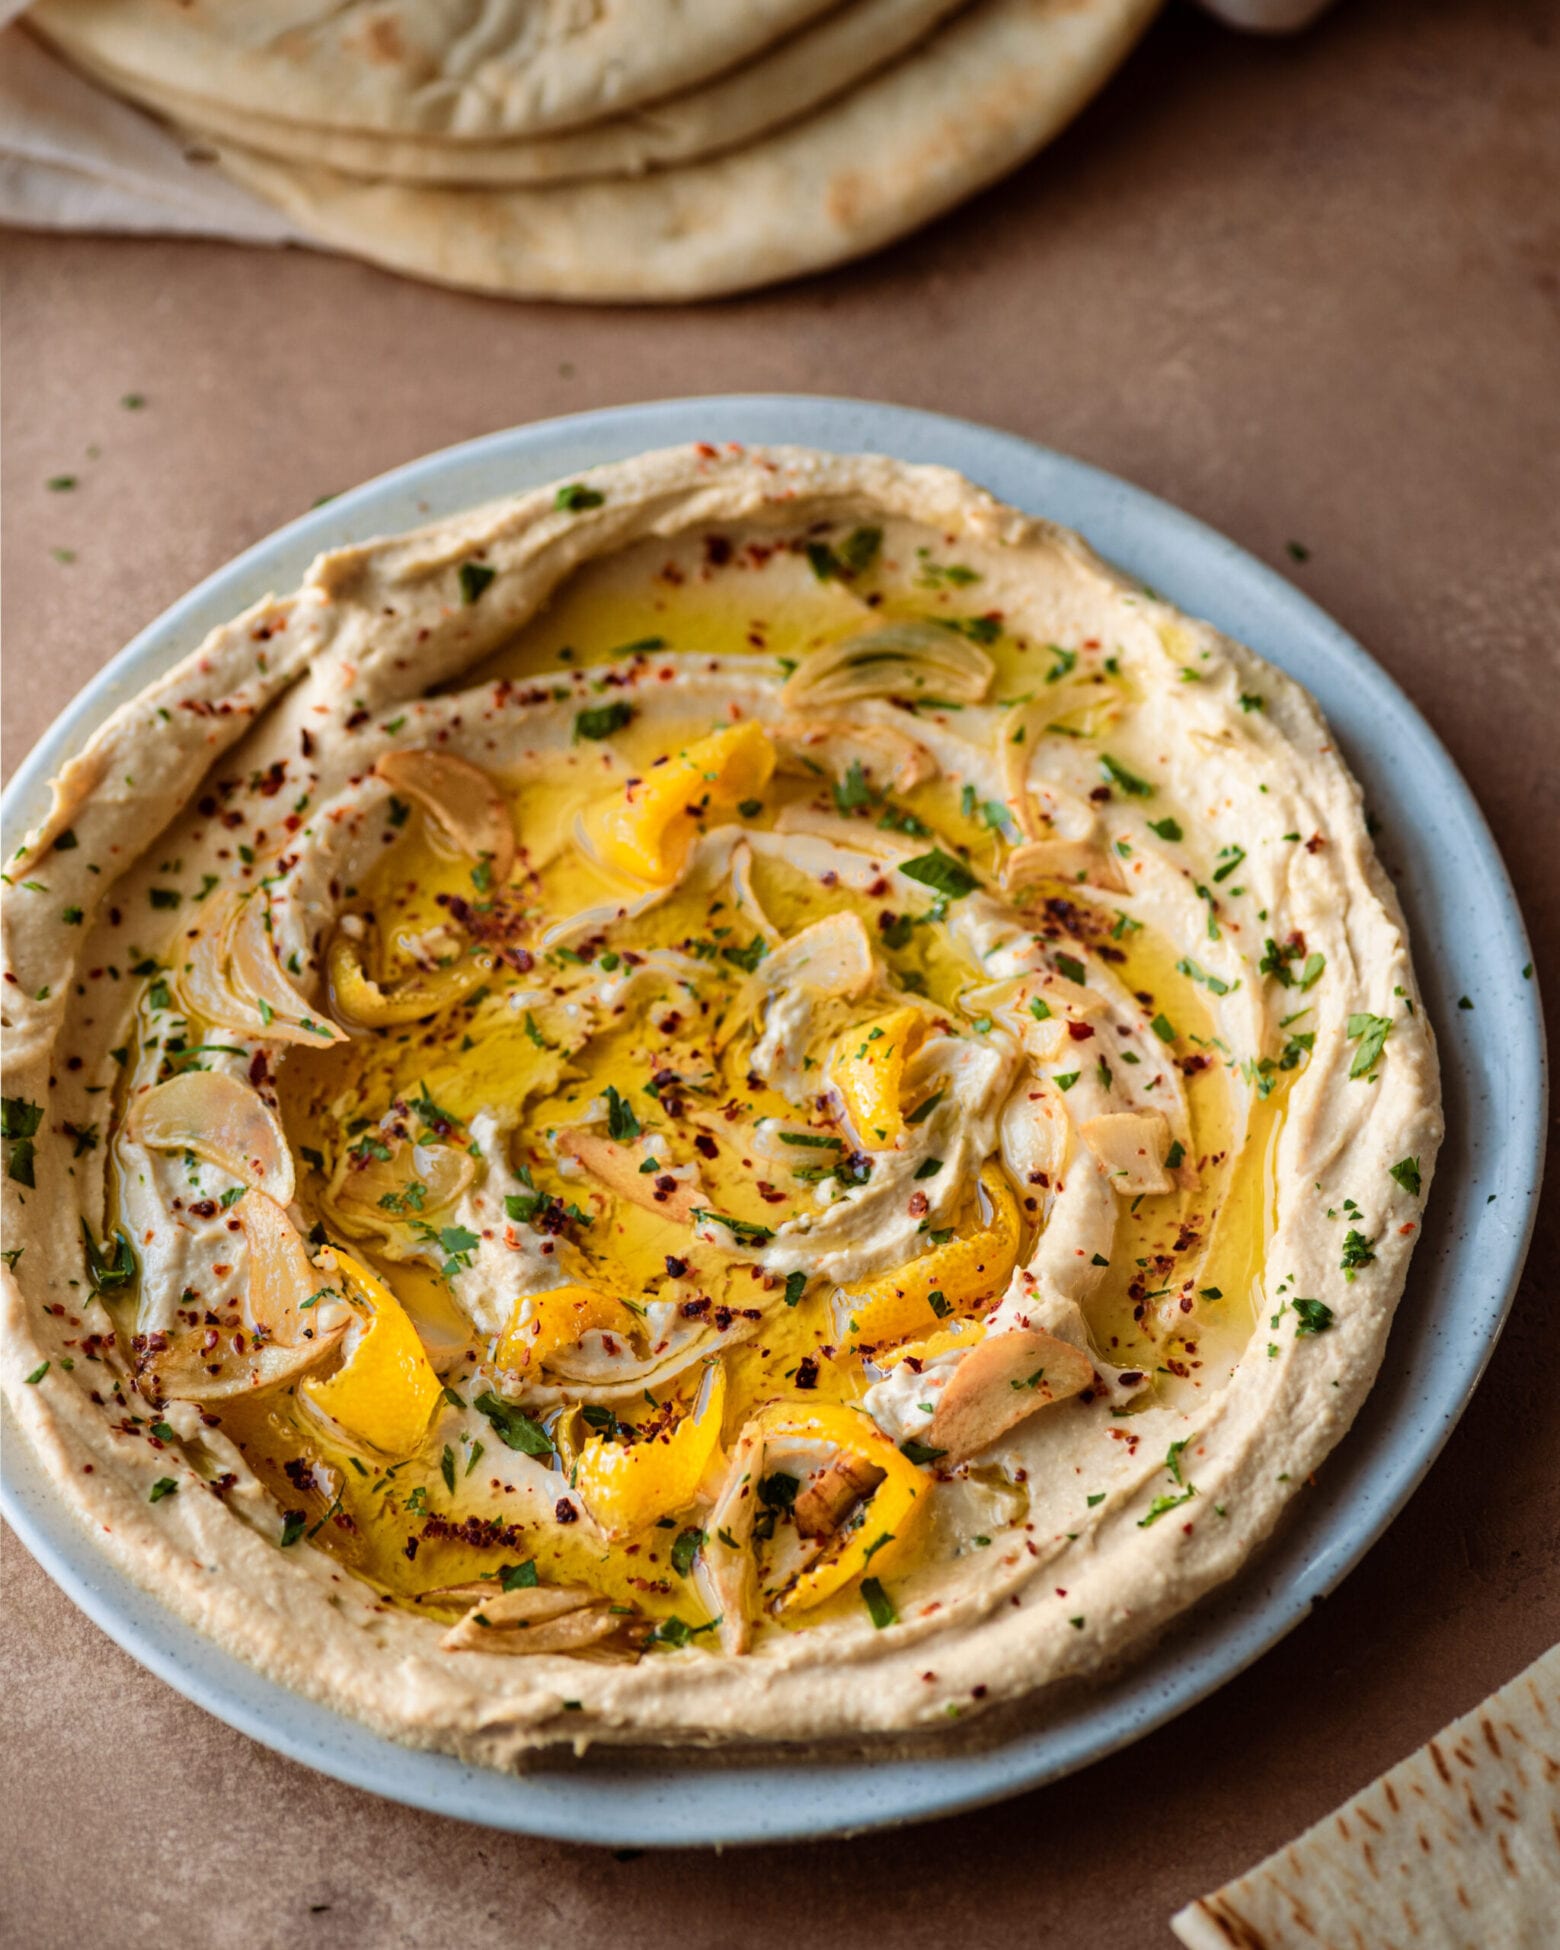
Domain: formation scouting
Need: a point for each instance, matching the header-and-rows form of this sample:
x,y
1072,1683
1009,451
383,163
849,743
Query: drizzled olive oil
x,y
1176,1301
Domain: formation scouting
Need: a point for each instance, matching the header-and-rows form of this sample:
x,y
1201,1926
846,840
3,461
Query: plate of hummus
x,y
720,1138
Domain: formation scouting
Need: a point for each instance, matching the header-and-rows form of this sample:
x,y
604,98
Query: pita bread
x,y
825,59
1457,1848
969,104
445,67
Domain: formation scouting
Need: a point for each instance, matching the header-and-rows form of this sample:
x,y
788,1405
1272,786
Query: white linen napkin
x,y
73,157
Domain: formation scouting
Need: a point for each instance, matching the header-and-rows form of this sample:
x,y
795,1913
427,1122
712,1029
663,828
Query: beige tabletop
x,y
1308,290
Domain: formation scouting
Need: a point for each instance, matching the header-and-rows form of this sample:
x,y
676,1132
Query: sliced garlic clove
x,y
480,1631
462,801
258,980
224,1122
283,1280
726,1572
188,1370
360,1187
529,1604
906,659
1067,860
1131,1147
891,758
1001,1383
832,957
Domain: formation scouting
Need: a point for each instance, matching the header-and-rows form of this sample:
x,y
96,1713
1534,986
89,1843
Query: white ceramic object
x,y
1468,938
1268,16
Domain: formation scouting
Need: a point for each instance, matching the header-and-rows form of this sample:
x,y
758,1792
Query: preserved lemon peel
x,y
896,1305
867,1068
646,829
358,999
889,1515
384,1392
557,1320
627,1489
962,1334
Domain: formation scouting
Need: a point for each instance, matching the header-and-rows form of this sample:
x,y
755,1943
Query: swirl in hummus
x,y
744,1099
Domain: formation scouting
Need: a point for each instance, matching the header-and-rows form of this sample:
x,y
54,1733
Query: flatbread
x,y
823,60
969,104
449,67
1457,1848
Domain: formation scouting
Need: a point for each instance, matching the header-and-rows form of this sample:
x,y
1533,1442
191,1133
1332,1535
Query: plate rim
x,y
1239,1623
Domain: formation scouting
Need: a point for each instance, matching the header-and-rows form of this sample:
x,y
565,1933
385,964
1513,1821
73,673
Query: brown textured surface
x,y
1309,291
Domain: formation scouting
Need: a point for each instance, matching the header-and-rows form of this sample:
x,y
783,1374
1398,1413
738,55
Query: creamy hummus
x,y
746,1099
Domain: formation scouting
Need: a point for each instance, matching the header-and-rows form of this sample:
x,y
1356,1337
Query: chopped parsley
x,y
940,871
1129,782
622,1123
978,629
685,1548
742,1230
474,579
880,1607
1357,1252
105,1272
603,720
513,1426
1406,1172
19,1122
749,957
1213,983
1161,1504
1369,1033
1230,858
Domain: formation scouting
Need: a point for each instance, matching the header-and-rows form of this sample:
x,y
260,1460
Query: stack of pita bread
x,y
605,150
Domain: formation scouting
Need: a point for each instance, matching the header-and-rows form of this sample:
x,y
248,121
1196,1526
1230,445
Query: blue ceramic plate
x,y
1469,939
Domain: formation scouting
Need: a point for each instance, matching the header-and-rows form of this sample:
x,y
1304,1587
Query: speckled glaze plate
x,y
1469,940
